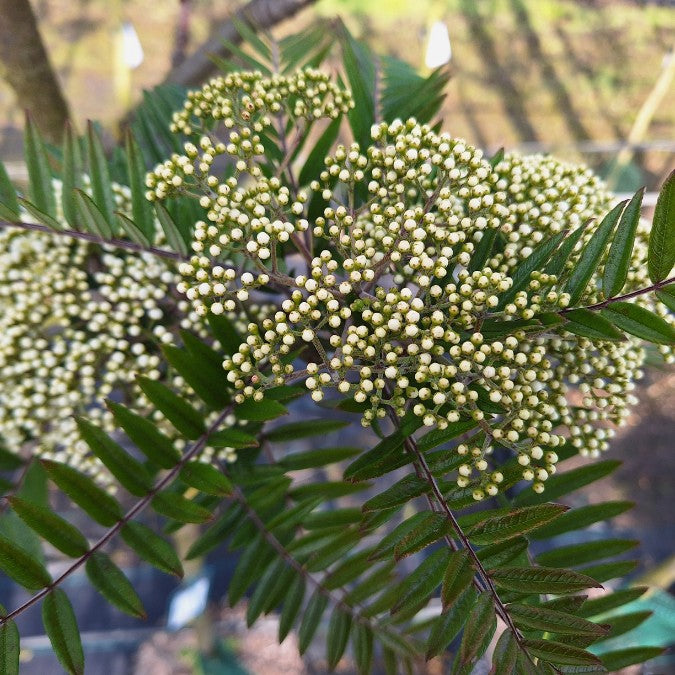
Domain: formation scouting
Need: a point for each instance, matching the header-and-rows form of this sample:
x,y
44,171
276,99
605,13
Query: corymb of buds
x,y
396,301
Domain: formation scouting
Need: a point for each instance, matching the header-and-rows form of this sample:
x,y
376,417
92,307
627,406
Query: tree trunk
x,y
25,65
259,14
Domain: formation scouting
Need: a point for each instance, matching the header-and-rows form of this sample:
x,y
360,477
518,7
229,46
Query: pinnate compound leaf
x,y
640,322
591,255
559,653
206,478
402,492
515,523
431,528
580,517
9,646
21,566
98,172
304,429
622,658
60,625
40,187
103,508
422,582
176,506
661,252
112,584
619,256
362,644
667,296
292,604
310,620
259,411
592,325
54,529
152,548
505,655
9,206
590,551
542,580
605,603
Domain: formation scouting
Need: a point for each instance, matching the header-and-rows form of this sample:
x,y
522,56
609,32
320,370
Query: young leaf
x,y
40,190
619,256
315,160
141,209
113,585
8,200
640,322
157,447
540,618
479,629
661,252
90,216
456,579
590,324
502,527
182,415
60,625
292,604
338,635
559,653
103,508
39,215
590,256
542,580
173,235
21,566
422,582
100,177
54,529
310,620
152,548
9,646
557,263
206,478
129,228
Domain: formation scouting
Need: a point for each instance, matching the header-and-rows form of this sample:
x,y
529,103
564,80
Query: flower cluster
x,y
392,309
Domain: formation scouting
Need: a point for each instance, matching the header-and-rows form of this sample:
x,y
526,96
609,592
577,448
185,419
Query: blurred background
x,y
588,80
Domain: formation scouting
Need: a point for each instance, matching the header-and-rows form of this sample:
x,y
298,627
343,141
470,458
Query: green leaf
x,y
502,527
479,629
141,209
181,414
100,177
151,548
622,658
54,529
533,262
292,604
612,600
661,253
224,332
559,653
338,635
402,492
21,566
542,580
578,554
431,528
316,458
482,250
581,517
40,189
295,430
129,228
505,655
259,411
216,533
71,174
8,198
315,160
622,623
557,263
174,237
310,620
206,478
128,471
360,70
563,483
590,256
60,625
553,621
590,324
175,506
90,215
103,508
232,438
640,322
112,584
9,646
619,256
456,579
498,555
39,215
157,447
422,582
667,296
610,570
362,647
449,623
